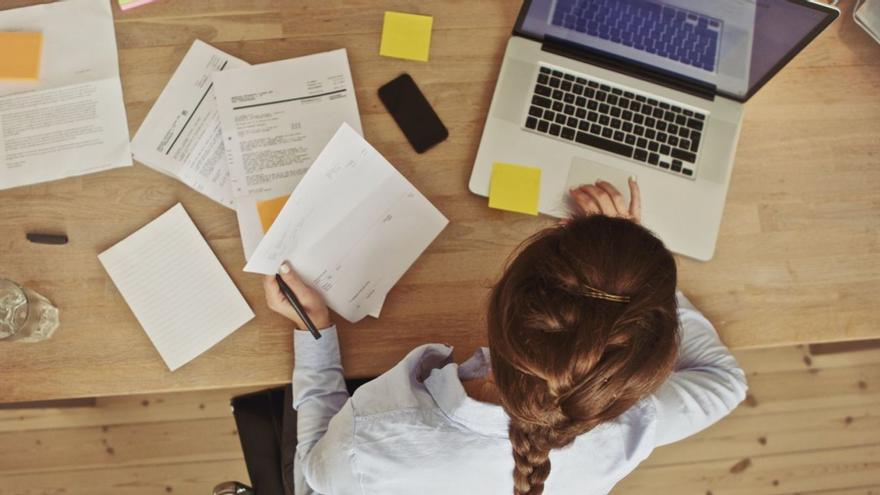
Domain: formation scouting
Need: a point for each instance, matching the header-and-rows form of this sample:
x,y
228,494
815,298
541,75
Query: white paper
x,y
72,121
176,287
352,227
181,135
275,119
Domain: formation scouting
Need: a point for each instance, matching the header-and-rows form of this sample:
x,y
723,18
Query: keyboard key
x,y
695,145
592,84
604,108
683,155
612,100
680,119
618,135
673,141
592,104
615,123
699,116
664,165
653,146
661,125
584,125
676,109
642,143
557,106
601,95
581,113
651,101
647,110
669,116
544,70
590,93
628,94
639,118
640,98
555,82
542,78
565,86
615,112
676,166
558,94
627,127
578,89
555,129
595,129
605,87
635,106
541,101
567,133
568,77
604,144
607,132
630,139
581,80
661,137
639,130
604,119
683,132
663,105
623,103
543,125
580,101
695,124
627,115
569,109
560,118
658,113
531,123
687,171
572,122
687,112
617,91
650,122
557,73
543,90
650,133
684,144
568,98
592,116
653,158
665,149
641,155
536,111
672,129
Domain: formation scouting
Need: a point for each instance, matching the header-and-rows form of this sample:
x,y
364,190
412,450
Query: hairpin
x,y
601,294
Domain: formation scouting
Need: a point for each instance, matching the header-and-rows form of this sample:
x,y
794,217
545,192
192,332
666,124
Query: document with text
x,y
71,121
352,227
181,135
275,119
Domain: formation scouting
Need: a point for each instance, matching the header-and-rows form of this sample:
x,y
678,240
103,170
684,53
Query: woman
x,y
594,359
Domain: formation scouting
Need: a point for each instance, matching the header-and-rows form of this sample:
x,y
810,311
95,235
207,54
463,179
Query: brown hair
x,y
565,360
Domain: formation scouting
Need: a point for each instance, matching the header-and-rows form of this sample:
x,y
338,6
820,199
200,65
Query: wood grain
x,y
798,257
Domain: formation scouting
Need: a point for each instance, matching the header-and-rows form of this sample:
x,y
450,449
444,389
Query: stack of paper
x,y
181,135
353,227
72,121
275,119
176,287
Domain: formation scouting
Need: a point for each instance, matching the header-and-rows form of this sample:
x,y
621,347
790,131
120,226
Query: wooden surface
x,y
798,256
809,426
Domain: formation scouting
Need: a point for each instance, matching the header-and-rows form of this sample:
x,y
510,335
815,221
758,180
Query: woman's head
x,y
581,326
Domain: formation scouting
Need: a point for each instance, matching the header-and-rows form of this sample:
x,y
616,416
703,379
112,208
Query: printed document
x,y
72,120
181,135
176,287
352,227
276,118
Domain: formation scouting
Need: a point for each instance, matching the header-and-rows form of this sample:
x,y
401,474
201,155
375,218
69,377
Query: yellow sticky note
x,y
406,36
269,209
515,188
20,55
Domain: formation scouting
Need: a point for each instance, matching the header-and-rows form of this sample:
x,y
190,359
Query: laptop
x,y
607,89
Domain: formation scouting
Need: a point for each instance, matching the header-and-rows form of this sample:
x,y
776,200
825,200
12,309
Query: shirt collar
x,y
444,385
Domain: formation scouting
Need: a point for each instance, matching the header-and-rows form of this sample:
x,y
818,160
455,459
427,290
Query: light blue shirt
x,y
414,430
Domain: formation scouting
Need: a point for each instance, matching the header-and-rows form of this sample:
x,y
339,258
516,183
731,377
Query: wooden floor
x,y
811,425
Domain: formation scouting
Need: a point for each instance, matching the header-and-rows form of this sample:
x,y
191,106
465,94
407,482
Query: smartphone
x,y
413,114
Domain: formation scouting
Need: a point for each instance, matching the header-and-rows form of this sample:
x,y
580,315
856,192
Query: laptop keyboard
x,y
669,32
575,108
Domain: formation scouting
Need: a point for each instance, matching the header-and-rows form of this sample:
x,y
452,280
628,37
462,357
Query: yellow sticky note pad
x,y
269,210
406,36
515,188
20,55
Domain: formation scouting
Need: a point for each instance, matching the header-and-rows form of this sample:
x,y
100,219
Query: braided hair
x,y
582,325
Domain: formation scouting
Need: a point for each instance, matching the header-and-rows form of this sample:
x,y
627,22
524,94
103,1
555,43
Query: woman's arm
x,y
707,384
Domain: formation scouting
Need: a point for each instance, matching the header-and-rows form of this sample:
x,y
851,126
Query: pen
x,y
291,298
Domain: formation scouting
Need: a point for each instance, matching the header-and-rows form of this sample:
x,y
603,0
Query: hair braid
x,y
531,461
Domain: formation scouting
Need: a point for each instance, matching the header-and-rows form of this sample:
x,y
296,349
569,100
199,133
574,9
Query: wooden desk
x,y
798,258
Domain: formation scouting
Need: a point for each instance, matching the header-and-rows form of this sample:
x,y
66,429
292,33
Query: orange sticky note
x,y
269,210
20,55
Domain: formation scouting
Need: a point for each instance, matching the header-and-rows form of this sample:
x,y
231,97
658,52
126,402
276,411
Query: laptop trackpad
x,y
584,171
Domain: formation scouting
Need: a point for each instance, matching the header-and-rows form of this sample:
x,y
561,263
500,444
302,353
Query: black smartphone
x,y
412,112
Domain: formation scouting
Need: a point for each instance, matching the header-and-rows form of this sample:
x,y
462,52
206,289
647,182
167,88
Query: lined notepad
x,y
176,287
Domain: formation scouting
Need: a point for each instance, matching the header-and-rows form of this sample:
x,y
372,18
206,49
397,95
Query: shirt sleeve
x,y
707,384
318,394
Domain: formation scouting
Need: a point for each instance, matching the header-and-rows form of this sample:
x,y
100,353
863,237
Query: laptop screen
x,y
735,45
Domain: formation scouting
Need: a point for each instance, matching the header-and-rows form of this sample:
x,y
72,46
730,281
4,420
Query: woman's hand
x,y
309,298
604,199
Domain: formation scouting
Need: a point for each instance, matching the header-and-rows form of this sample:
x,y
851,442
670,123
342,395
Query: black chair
x,y
266,424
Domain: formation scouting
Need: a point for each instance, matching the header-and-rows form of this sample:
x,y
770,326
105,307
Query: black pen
x,y
291,298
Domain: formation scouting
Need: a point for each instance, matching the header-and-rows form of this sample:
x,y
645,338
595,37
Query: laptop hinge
x,y
645,72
